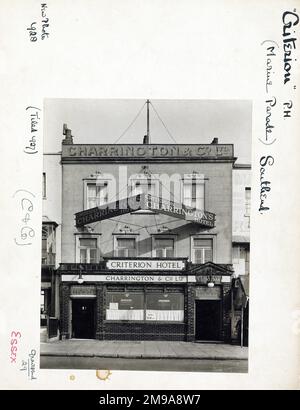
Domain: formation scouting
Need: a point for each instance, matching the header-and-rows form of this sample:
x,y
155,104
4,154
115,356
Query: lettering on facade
x,y
138,278
83,290
205,293
148,151
145,265
145,202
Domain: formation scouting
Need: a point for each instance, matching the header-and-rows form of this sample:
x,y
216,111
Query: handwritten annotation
x,y
25,201
39,31
290,19
31,145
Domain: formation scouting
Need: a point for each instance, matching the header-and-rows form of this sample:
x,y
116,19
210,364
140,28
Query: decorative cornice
x,y
211,268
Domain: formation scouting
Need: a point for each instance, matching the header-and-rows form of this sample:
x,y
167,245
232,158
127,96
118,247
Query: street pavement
x,y
143,349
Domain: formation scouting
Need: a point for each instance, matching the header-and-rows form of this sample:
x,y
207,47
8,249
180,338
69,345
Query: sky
x,y
188,121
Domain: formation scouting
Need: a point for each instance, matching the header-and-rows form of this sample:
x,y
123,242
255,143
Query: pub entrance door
x,y
208,320
83,318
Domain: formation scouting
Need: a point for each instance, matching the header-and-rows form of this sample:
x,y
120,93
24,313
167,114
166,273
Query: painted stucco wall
x,y
218,199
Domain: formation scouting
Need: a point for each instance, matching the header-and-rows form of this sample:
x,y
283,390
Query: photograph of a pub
x,y
146,242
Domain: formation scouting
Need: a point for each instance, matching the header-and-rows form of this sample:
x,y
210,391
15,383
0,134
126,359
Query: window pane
x,y
170,253
93,256
165,307
102,194
128,243
97,194
200,196
91,191
164,243
88,242
193,194
207,255
201,243
83,256
202,250
159,253
92,203
44,245
187,194
131,253
144,186
124,306
236,253
198,256
164,247
122,252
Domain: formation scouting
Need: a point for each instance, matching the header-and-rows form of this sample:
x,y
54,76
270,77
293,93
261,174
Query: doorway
x,y
208,320
83,318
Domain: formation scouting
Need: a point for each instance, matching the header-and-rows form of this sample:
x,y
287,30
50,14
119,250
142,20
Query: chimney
x,y
68,135
215,141
146,139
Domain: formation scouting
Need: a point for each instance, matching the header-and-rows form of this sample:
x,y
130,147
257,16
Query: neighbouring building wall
x,y
241,191
52,205
52,186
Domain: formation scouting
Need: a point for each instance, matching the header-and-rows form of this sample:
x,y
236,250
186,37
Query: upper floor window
x,y
125,247
144,186
163,247
202,250
193,193
48,243
247,201
88,250
97,194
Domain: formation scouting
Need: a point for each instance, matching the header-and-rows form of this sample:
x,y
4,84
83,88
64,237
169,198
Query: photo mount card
x,y
145,159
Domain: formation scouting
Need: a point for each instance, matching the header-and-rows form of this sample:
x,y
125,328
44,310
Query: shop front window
x,y
145,306
167,307
125,306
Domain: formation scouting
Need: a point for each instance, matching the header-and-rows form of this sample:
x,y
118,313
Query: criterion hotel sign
x,y
126,264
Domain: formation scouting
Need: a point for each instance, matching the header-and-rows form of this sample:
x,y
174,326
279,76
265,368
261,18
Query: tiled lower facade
x,y
89,310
